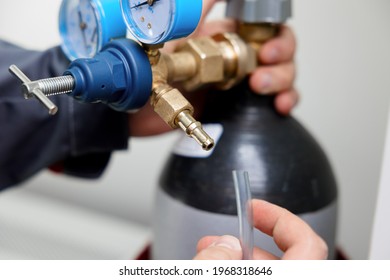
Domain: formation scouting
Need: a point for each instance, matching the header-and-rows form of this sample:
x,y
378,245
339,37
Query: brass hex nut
x,y
209,60
169,103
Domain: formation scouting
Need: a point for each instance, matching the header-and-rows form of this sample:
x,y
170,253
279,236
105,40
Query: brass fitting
x,y
153,52
181,66
209,62
169,103
256,34
239,59
223,60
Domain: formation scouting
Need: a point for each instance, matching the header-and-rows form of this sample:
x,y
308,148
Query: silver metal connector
x,y
195,130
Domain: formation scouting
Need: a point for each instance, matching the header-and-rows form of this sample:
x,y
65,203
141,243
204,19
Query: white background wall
x,y
343,63
380,245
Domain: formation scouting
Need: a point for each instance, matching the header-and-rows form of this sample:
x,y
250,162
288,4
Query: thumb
x,y
223,248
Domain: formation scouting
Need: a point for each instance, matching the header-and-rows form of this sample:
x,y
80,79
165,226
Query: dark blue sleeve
x,y
80,136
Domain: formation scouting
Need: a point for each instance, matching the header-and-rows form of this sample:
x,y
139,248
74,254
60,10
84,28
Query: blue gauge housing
x,y
162,21
86,26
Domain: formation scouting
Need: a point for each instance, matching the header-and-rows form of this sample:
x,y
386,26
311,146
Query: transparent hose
x,y
244,211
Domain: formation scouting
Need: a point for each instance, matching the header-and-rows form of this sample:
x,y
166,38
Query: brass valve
x,y
169,103
222,60
176,111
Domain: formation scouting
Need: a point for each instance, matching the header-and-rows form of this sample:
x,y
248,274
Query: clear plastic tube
x,y
244,211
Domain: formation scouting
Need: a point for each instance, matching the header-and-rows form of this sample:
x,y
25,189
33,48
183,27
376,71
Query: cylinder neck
x,y
256,34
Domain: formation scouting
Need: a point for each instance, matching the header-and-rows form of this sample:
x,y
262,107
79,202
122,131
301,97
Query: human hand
x,y
292,235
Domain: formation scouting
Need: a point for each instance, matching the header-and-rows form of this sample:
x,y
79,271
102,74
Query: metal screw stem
x,y
57,85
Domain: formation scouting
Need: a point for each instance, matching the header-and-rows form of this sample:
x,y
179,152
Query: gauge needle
x,y
83,26
94,34
150,3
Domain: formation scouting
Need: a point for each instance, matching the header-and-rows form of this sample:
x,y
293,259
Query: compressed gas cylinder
x,y
286,166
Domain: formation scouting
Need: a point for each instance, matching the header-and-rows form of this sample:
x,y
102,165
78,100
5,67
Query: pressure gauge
x,y
87,25
158,21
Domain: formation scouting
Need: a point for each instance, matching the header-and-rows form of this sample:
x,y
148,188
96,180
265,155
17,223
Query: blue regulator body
x,y
119,76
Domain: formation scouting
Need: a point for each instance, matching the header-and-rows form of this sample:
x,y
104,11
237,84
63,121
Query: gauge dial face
x,y
149,21
79,27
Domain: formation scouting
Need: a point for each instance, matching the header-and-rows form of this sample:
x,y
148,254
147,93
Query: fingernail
x,y
265,82
228,241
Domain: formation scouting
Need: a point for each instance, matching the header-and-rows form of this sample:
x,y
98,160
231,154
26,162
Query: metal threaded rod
x,y
58,85
50,86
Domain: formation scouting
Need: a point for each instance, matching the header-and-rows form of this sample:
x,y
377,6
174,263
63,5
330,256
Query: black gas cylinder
x,y
286,166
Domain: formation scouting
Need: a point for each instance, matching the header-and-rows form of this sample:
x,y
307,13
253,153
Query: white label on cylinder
x,y
187,147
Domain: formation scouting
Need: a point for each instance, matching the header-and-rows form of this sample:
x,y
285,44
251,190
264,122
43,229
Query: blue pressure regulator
x,y
108,68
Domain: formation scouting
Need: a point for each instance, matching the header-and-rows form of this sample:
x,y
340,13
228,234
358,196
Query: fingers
x,y
203,29
206,8
205,242
211,28
214,27
285,101
273,79
259,254
292,235
219,248
279,49
277,73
